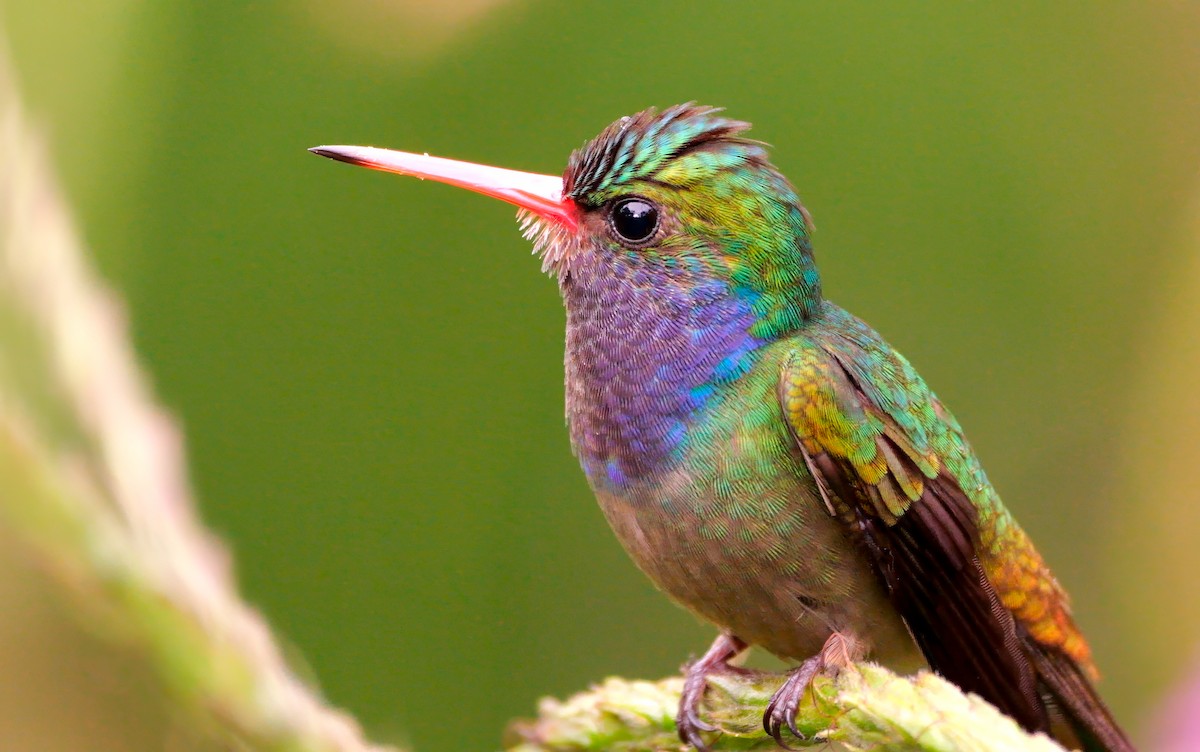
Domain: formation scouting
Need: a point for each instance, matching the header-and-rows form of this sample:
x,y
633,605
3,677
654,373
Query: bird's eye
x,y
634,219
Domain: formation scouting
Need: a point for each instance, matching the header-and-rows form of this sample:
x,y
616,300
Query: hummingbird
x,y
765,457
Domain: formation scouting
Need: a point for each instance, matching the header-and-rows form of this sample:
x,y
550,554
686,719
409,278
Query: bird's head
x,y
680,194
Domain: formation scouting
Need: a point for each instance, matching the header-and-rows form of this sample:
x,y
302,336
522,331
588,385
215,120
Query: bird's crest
x,y
641,146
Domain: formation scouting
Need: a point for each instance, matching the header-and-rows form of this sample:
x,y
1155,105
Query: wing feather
x,y
891,463
919,530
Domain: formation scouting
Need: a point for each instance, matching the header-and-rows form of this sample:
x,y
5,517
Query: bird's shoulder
x,y
850,396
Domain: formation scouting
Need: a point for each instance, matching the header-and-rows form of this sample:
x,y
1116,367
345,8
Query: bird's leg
x,y
839,651
687,721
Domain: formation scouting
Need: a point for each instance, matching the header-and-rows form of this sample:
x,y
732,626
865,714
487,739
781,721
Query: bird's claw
x,y
687,721
781,710
694,721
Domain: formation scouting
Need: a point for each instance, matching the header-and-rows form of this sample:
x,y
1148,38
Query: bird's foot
x,y
838,652
695,682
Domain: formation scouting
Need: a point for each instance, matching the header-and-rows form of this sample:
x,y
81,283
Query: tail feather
x,y
1073,703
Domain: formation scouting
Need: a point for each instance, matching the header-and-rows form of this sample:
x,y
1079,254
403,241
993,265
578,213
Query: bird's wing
x,y
892,463
877,466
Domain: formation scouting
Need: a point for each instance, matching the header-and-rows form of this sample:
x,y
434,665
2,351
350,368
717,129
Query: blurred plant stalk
x,y
92,481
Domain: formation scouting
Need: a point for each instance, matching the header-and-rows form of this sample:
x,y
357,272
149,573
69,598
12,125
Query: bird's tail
x,y
1080,719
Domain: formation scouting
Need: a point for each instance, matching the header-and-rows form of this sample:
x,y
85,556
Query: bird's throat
x,y
647,353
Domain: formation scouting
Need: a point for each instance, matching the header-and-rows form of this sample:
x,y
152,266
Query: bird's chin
x,y
554,243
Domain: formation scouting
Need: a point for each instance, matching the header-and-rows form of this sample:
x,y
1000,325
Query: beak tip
x,y
330,152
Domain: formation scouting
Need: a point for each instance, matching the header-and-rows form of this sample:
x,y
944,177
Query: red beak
x,y
540,194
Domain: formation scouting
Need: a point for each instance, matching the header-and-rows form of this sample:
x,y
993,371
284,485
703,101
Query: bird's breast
x,y
736,532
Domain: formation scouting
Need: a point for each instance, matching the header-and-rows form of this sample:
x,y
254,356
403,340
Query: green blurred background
x,y
368,369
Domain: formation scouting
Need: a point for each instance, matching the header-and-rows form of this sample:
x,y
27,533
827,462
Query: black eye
x,y
634,219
